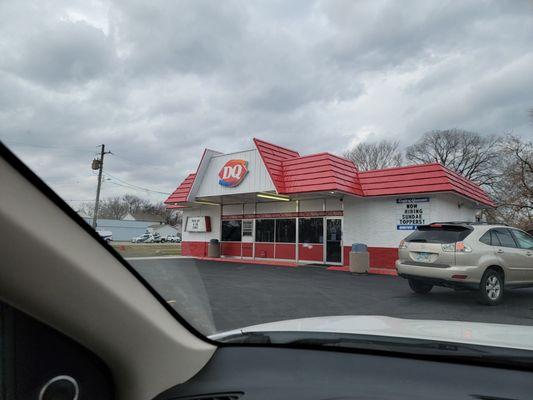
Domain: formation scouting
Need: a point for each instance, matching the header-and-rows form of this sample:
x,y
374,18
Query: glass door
x,y
334,240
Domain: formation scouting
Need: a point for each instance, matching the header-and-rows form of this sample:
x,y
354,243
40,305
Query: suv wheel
x,y
491,287
419,287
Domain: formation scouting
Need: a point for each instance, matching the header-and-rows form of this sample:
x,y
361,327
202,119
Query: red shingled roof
x,y
182,192
273,157
320,172
424,178
292,174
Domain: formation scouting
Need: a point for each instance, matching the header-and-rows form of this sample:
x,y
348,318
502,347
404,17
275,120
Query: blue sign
x,y
406,227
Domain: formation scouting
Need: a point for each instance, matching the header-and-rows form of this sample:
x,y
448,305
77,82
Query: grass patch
x,y
147,249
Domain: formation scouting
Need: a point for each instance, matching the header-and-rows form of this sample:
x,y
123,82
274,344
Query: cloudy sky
x,y
157,81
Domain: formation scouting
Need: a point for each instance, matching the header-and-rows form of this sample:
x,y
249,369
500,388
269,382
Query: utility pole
x,y
98,164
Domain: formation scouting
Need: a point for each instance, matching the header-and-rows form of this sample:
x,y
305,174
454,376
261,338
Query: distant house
x,y
122,230
164,229
142,216
132,225
128,217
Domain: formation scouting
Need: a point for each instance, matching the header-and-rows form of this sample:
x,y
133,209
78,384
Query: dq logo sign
x,y
232,173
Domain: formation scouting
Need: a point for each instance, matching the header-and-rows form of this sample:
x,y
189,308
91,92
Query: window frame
x,y
276,230
321,231
513,233
489,234
257,236
510,234
222,230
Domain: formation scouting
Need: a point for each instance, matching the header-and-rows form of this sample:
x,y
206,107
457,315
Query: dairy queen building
x,y
272,203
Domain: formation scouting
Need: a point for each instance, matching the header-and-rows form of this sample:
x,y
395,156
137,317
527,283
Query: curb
x,y
372,271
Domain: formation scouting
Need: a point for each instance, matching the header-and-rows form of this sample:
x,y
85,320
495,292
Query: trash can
x,y
213,248
359,258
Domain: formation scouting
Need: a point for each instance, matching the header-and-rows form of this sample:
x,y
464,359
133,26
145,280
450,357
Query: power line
x,y
134,186
138,189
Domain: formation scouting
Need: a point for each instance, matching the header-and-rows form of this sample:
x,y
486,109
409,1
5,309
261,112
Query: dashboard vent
x,y
213,396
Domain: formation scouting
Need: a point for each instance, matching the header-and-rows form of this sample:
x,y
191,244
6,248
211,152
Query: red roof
x,y
182,192
292,174
423,178
320,172
273,157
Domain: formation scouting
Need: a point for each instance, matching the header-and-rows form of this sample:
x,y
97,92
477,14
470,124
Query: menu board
x,y
411,212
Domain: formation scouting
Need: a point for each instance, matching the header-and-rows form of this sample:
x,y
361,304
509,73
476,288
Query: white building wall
x,y
312,205
257,179
213,212
373,220
450,207
276,207
333,204
249,208
232,209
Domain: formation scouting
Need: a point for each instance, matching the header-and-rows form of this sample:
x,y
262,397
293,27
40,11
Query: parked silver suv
x,y
469,255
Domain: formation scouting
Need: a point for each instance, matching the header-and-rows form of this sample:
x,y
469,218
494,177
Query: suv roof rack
x,y
467,223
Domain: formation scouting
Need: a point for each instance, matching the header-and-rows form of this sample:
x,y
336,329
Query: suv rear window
x,y
439,234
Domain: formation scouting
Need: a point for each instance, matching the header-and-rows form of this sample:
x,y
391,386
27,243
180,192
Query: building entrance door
x,y
334,240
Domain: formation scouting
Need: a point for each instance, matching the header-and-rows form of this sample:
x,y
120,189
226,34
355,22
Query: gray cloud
x,y
67,53
158,81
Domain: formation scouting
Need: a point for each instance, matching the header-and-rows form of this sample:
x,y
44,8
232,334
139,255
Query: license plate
x,y
423,257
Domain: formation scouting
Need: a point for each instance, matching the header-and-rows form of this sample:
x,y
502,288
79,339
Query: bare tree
x,y
86,209
135,203
470,154
378,155
118,207
514,190
113,208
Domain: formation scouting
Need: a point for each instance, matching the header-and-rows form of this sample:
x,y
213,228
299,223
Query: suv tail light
x,y
459,247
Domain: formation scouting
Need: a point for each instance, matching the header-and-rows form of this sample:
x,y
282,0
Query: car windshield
x,y
356,169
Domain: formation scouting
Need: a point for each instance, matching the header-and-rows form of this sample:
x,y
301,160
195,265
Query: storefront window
x,y
311,230
264,230
286,230
231,231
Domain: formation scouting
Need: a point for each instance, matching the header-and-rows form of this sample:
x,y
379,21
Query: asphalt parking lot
x,y
217,296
